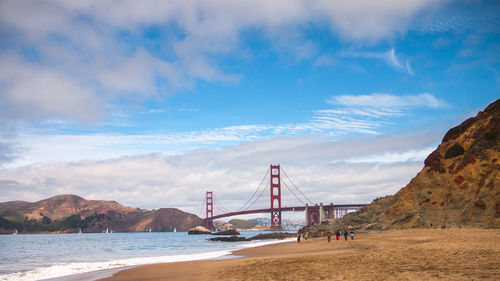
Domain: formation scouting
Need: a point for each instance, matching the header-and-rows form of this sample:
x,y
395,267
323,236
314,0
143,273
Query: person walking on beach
x,y
345,234
328,235
352,235
298,237
337,235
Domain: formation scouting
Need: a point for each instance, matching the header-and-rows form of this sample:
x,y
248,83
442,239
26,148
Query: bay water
x,y
43,256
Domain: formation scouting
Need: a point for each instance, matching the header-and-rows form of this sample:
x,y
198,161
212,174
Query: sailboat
x,y
80,231
15,232
175,229
150,229
107,230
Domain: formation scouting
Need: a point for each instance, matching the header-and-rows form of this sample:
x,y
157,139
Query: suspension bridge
x,y
314,213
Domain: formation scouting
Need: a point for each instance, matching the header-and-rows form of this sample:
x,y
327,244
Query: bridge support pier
x,y
312,215
330,212
306,212
322,214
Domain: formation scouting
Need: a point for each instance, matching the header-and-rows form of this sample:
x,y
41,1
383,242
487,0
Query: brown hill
x,y
458,186
61,212
61,206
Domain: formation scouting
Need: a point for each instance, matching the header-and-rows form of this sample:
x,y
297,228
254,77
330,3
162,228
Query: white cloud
x,y
334,123
351,116
73,60
381,100
409,69
323,169
394,157
81,42
469,16
30,91
324,60
389,57
372,20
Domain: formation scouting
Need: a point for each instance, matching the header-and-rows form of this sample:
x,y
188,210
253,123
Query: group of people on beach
x,y
338,233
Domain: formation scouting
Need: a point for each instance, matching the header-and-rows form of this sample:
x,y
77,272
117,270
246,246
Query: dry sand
x,y
416,254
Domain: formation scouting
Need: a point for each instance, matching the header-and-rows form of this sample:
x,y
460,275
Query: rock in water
x,y
199,230
274,235
233,238
227,232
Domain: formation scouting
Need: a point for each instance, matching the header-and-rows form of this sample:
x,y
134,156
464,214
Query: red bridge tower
x,y
209,222
275,184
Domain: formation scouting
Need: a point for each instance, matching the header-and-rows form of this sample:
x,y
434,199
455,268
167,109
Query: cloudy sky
x,y
152,103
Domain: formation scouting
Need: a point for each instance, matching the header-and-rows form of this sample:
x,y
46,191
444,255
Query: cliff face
x,y
70,212
458,186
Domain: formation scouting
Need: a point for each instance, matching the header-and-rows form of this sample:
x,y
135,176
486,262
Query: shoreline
x,y
414,254
217,255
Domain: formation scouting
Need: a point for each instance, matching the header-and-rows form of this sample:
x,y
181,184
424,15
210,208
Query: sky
x,y
152,103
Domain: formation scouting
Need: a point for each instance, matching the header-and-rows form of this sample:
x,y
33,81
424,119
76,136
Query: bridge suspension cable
x,y
220,206
202,206
253,199
297,187
293,193
260,195
262,181
220,210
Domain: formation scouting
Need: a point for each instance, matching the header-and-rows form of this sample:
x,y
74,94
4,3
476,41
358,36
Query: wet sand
x,y
417,254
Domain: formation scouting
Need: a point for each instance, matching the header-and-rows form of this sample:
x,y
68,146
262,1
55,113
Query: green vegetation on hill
x,y
46,224
243,224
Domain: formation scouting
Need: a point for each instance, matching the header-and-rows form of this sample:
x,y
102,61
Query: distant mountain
x,y
69,213
458,186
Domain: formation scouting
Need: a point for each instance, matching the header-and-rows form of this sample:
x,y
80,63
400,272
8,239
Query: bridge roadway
x,y
285,209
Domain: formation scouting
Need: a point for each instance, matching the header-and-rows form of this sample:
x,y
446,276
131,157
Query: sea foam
x,y
67,269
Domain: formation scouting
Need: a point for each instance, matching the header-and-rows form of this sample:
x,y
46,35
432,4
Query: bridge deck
x,y
285,209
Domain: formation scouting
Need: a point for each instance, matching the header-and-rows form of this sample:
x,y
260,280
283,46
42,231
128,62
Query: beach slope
x,y
414,254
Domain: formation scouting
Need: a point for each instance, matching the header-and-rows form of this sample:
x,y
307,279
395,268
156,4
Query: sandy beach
x,y
416,254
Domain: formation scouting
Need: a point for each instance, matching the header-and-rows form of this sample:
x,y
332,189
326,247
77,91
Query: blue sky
x,y
350,95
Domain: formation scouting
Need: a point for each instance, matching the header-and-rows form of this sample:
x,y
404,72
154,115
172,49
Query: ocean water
x,y
42,256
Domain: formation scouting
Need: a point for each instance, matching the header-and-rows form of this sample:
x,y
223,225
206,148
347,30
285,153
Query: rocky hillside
x,y
68,213
458,186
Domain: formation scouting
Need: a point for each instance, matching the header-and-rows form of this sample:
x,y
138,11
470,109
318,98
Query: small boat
x,y
150,229
175,229
80,231
15,232
107,230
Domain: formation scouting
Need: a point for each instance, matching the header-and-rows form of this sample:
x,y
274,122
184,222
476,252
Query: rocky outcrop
x,y
227,232
458,186
199,230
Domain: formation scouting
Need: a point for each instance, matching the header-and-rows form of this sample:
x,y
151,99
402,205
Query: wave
x,y
66,269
